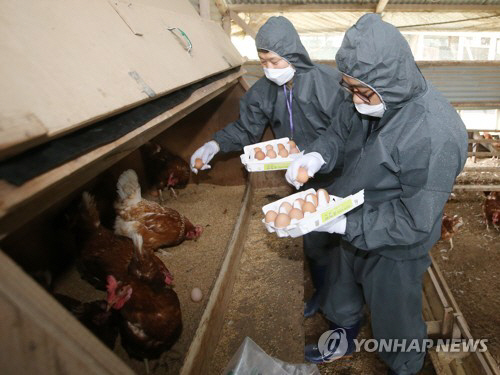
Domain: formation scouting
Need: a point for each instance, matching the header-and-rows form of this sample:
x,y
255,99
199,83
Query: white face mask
x,y
280,76
376,110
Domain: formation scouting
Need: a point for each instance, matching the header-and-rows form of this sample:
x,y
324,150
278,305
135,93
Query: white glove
x,y
205,153
337,225
311,161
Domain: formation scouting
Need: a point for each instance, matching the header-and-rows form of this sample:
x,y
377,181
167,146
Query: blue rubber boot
x,y
318,275
340,343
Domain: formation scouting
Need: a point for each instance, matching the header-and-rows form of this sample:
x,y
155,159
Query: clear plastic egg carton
x,y
254,165
325,212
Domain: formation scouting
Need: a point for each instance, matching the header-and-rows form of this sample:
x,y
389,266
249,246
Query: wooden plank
x,y
241,23
481,169
20,204
38,336
381,6
482,140
367,7
445,288
205,9
484,153
222,6
118,55
197,360
433,328
17,138
477,187
432,295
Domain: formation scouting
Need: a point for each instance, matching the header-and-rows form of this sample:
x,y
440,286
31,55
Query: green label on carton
x,y
337,210
273,166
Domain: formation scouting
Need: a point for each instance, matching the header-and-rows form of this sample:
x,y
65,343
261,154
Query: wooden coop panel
x,y
67,64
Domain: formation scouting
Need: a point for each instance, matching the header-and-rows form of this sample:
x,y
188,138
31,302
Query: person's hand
x,y
205,153
311,161
337,225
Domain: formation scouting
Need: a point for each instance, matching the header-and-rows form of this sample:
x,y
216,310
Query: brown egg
x,y
302,175
282,221
314,199
257,149
309,207
324,193
295,213
259,155
286,206
283,153
292,144
301,201
271,216
198,163
281,146
271,153
269,147
294,150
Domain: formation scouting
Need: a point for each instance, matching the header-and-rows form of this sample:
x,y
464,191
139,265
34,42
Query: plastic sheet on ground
x,y
250,359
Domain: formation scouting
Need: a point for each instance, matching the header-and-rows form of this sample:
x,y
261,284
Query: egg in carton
x,y
305,211
271,155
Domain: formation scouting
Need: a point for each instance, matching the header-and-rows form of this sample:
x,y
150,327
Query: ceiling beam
x,y
273,8
381,6
222,6
241,23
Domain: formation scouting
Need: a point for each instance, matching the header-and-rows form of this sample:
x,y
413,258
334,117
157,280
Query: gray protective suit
x,y
316,97
407,162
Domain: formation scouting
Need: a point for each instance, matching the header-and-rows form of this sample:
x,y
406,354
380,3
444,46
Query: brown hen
x,y
164,169
491,210
159,226
449,227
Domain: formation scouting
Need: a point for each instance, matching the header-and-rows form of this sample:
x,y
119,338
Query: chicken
x,y
104,253
491,210
449,227
159,226
94,315
164,169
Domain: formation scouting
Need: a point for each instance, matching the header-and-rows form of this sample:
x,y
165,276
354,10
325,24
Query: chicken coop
x,y
89,86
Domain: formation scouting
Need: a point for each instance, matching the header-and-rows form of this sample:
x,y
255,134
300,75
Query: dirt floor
x,y
192,263
267,299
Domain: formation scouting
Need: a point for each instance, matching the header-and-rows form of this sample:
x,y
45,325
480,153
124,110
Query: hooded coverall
x,y
316,96
406,162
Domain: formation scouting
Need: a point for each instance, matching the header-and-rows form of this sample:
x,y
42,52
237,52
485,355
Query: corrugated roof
x,y
464,84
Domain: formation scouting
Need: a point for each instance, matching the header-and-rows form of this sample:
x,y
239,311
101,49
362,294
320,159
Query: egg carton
x,y
325,213
253,165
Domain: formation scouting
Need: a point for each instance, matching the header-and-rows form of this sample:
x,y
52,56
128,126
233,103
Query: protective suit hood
x,y
279,36
376,53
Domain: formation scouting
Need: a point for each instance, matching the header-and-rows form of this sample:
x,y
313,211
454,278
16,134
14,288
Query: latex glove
x,y
311,161
205,153
337,225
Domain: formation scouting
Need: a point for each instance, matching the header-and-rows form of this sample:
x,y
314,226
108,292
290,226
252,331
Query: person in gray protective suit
x,y
404,146
298,99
